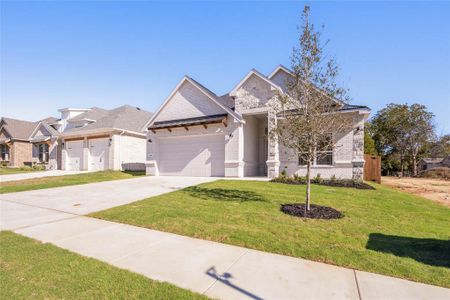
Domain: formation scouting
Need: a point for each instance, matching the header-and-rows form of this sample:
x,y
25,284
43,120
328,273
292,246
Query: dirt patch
x,y
316,211
433,189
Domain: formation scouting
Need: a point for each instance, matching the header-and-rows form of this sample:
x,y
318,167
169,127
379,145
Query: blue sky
x,y
83,54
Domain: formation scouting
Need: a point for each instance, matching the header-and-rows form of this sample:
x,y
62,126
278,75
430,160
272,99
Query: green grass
x,y
58,181
383,231
8,171
30,269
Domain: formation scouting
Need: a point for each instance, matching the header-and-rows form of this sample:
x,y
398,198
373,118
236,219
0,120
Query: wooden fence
x,y
372,168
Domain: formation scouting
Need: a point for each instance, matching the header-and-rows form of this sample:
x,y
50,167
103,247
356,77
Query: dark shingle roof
x,y
435,160
188,121
351,107
124,117
19,129
94,113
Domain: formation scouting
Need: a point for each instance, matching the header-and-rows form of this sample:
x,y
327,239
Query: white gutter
x,y
99,131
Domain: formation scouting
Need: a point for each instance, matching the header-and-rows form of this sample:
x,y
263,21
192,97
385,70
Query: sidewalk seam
x,y
45,223
357,284
36,206
232,264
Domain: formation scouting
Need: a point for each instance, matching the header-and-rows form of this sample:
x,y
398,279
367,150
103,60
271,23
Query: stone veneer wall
x,y
358,148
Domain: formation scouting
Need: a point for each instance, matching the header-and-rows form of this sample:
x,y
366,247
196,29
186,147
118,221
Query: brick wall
x,y
20,153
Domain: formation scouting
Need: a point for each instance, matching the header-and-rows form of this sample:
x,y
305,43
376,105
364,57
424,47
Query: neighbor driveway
x,y
214,269
35,174
84,199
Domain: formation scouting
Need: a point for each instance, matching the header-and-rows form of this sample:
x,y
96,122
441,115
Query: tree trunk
x,y
402,167
414,162
308,186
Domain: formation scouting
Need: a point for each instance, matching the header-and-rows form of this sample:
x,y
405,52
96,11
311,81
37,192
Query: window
x,y
324,156
4,149
301,161
43,153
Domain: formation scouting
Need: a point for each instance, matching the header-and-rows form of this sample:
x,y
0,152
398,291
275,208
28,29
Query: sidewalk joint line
x,y
36,206
357,284
226,270
45,223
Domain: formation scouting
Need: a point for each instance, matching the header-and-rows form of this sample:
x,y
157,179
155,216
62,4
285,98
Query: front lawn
x,y
8,171
30,269
58,181
383,231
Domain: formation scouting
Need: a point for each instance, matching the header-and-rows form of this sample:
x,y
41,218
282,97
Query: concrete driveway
x,y
30,175
34,207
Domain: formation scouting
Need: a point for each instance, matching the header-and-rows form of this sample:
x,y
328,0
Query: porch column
x,y
234,150
273,156
85,160
63,155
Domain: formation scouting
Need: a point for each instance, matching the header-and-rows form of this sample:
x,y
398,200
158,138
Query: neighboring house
x,y
97,139
197,133
431,163
91,139
15,146
46,149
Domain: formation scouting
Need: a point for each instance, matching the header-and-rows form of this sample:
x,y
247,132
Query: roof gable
x,y
254,72
18,129
190,99
280,76
4,134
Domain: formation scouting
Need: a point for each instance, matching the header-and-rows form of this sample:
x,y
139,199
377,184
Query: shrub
x,y
26,168
353,183
317,179
39,167
440,172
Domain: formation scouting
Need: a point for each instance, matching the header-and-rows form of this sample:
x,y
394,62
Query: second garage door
x,y
192,156
98,154
74,155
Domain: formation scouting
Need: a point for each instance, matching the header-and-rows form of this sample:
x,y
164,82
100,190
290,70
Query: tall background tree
x,y
307,114
402,134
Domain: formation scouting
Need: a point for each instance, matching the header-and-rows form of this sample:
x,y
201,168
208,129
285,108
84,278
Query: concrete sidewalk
x,y
214,269
30,175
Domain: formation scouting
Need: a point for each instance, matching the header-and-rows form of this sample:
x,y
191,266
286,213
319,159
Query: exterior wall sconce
x,y
150,141
110,142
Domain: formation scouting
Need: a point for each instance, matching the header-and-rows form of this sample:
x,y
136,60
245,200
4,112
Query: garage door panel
x,y
98,154
192,156
74,151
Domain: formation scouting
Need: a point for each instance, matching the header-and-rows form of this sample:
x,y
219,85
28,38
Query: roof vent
x,y
138,108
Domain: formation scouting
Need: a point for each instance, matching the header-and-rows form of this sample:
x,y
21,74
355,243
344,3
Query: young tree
x,y
419,131
308,113
369,143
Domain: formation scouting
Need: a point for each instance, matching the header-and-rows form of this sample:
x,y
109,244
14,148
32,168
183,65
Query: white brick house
x,y
197,133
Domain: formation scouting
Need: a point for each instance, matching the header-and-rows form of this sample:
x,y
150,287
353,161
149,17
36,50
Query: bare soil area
x,y
434,189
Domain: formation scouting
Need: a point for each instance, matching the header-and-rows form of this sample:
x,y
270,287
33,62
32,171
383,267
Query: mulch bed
x,y
316,211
